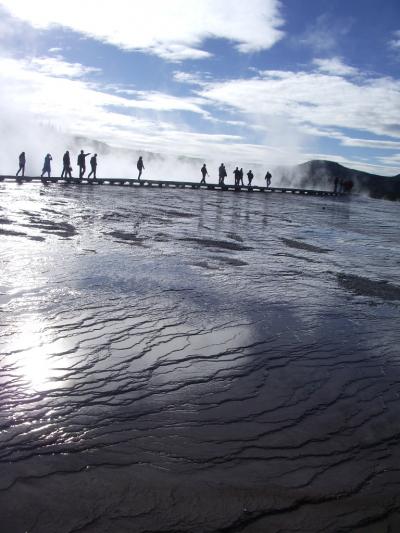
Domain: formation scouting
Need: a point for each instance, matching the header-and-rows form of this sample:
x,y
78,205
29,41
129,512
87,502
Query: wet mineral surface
x,y
198,361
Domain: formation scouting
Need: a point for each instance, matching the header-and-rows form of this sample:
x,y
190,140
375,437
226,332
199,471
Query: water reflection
x,y
34,359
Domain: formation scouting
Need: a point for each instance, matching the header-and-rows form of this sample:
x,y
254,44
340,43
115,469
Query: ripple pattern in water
x,y
193,361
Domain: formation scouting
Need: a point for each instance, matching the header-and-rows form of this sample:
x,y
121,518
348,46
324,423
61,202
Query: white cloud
x,y
172,29
189,78
323,34
282,110
57,67
316,99
395,42
335,66
77,107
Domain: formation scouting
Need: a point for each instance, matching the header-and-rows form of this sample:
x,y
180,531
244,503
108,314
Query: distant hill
x,y
321,174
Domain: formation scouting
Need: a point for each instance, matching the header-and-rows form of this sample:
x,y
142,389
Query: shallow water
x,y
180,360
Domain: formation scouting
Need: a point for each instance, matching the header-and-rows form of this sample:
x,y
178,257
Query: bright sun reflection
x,y
34,356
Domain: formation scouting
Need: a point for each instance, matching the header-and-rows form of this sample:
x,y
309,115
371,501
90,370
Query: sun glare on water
x,y
35,361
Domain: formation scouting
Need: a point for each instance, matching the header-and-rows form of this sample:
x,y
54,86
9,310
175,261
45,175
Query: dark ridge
x,y
317,172
125,237
367,287
213,243
304,246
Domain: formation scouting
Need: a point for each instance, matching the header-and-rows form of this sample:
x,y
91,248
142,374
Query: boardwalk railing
x,y
168,183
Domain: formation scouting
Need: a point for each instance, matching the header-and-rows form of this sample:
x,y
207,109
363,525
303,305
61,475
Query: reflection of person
x,y
21,161
221,174
204,173
250,177
93,165
66,171
268,177
140,166
82,163
47,166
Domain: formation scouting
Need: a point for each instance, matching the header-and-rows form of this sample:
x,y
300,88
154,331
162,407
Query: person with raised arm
x,y
82,163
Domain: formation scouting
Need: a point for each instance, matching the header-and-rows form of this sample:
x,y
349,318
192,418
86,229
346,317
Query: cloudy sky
x,y
263,81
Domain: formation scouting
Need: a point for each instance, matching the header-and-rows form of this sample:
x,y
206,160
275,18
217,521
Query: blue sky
x,y
262,81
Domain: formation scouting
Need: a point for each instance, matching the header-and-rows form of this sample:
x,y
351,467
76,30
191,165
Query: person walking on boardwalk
x,y
140,166
236,173
221,174
47,166
204,173
66,171
93,165
268,177
250,177
82,163
21,162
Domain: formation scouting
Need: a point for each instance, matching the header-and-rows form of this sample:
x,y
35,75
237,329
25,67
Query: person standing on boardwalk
x,y
241,177
204,173
268,177
236,173
140,166
21,161
221,174
47,166
82,163
66,172
93,165
250,177
335,184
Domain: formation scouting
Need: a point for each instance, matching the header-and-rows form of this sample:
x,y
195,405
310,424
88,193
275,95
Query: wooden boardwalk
x,y
167,183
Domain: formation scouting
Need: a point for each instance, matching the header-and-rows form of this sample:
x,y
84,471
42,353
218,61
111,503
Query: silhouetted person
x,y
268,177
241,177
140,166
341,185
335,184
82,163
93,165
250,177
347,186
236,173
66,171
221,174
47,166
21,161
204,173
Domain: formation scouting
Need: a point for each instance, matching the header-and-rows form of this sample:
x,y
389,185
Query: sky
x,y
269,82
